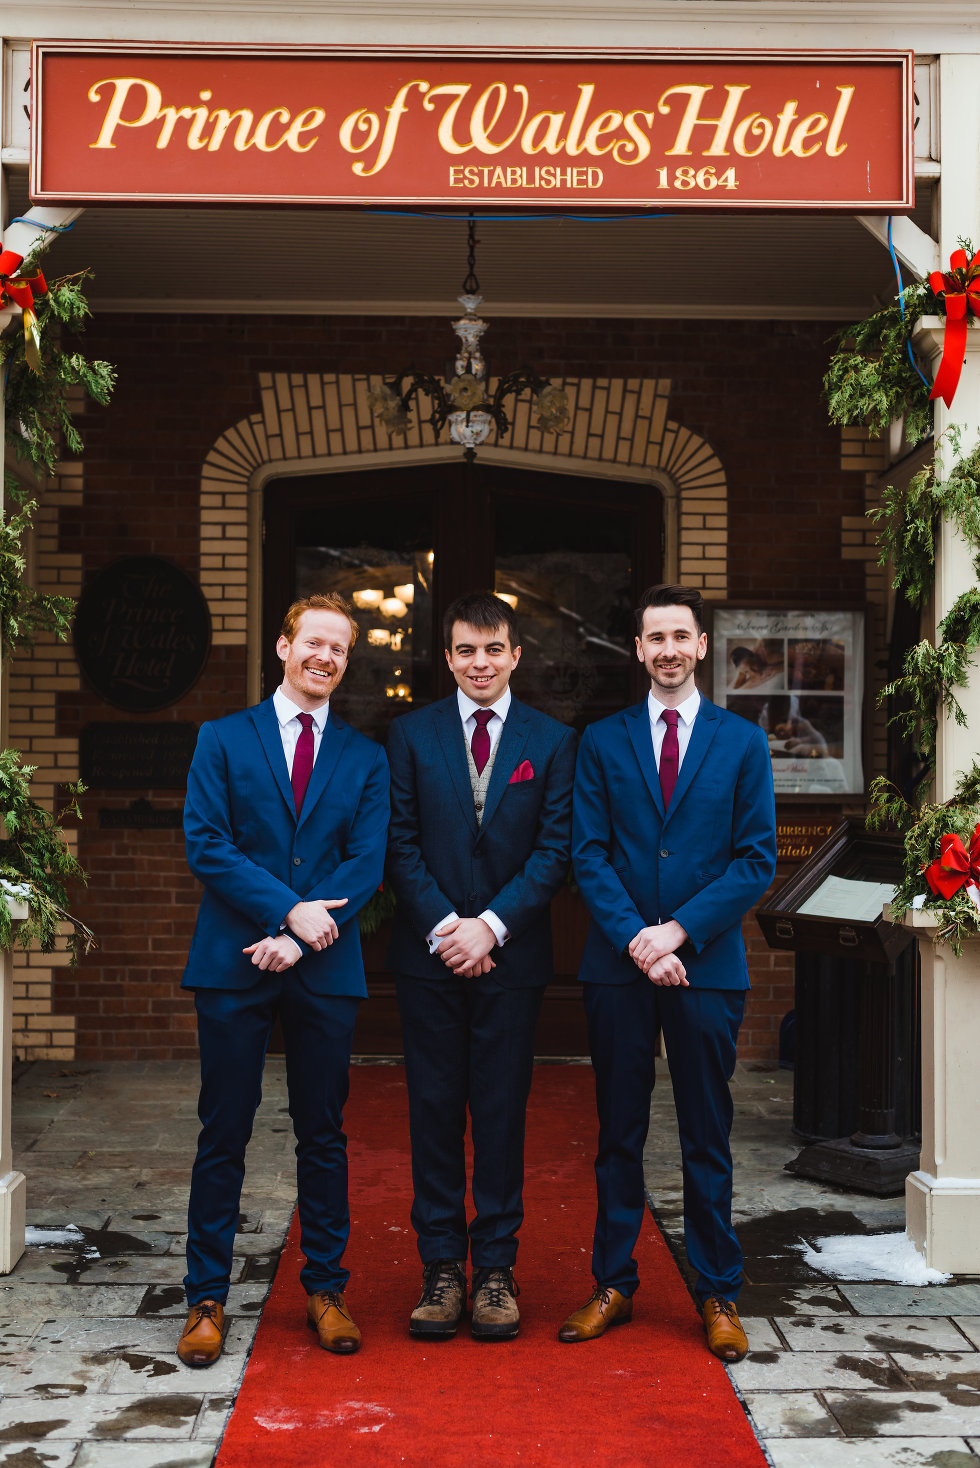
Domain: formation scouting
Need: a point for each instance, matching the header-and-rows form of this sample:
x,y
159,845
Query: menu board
x,y
800,677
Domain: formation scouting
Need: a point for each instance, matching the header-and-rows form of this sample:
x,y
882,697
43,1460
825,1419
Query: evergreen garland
x,y
909,521
35,862
924,826
39,418
379,907
871,379
24,611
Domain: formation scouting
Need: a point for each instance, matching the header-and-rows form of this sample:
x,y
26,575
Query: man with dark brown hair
x,y
674,839
285,823
481,805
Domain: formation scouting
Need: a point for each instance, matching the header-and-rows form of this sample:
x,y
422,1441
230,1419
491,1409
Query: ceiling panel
x,y
327,260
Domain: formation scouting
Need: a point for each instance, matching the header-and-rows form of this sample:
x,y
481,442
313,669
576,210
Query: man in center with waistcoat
x,y
478,846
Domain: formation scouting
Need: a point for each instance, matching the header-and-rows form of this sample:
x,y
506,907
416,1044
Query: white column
x,y
13,1185
943,1197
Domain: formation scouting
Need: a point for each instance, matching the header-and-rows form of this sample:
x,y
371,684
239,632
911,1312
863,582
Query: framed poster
x,y
799,675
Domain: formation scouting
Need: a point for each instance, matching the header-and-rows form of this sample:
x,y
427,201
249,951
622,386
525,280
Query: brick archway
x,y
311,421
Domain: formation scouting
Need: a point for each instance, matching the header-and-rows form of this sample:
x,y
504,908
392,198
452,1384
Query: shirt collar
x,y
686,711
286,710
467,708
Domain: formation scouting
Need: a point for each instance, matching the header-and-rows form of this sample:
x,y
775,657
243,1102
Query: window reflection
x,y
572,580
391,591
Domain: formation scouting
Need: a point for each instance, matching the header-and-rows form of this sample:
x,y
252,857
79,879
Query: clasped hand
x,y
274,954
311,921
653,952
465,946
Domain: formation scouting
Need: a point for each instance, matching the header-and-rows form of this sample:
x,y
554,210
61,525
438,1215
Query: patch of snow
x,y
345,1414
18,890
68,1237
891,1257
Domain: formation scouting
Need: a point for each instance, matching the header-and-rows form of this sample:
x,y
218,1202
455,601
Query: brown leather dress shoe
x,y
203,1337
726,1338
606,1307
327,1314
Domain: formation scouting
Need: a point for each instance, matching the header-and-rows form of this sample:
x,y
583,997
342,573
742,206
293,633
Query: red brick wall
x,y
752,389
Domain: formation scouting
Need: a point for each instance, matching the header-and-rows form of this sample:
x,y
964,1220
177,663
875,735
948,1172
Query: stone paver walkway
x,y
839,1375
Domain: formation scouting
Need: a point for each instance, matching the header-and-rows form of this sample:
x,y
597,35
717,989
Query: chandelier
x,y
465,402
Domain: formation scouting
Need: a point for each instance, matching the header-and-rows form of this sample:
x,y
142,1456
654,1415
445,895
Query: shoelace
x,y
441,1281
335,1298
724,1307
206,1310
497,1287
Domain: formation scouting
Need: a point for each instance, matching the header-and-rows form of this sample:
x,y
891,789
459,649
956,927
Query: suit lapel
x,y
332,740
450,731
702,733
510,748
266,724
638,724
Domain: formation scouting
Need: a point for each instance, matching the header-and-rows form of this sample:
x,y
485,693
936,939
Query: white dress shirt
x,y
467,713
290,728
687,713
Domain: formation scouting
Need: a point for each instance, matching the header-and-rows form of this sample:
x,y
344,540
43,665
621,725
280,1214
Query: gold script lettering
x,y
114,118
833,137
606,122
691,119
480,130
552,141
395,113
222,120
446,139
808,128
640,143
755,126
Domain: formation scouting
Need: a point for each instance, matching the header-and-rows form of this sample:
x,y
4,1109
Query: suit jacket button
x,y
664,851
298,861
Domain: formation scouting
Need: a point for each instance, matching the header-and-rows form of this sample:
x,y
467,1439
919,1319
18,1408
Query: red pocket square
x,y
524,771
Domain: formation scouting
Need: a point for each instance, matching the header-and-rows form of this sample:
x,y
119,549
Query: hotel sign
x,y
637,130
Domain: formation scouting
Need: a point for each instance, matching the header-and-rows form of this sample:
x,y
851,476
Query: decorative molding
x,y
618,425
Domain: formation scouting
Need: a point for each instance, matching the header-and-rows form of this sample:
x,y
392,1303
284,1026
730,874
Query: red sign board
x,y
638,129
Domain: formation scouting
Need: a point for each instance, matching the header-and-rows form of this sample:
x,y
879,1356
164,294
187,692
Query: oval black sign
x,y
142,633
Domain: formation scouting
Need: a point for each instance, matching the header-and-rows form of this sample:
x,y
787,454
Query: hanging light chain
x,y
471,285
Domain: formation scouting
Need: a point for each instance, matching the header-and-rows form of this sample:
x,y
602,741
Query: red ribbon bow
x,y
960,288
22,290
955,867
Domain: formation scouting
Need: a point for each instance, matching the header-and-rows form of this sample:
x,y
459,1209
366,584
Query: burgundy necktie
x,y
480,743
303,760
669,755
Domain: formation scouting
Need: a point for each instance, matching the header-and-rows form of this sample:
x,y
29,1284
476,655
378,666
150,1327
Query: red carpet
x,y
646,1395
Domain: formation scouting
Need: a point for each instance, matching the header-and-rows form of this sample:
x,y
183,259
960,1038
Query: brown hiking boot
x,y
495,1313
440,1309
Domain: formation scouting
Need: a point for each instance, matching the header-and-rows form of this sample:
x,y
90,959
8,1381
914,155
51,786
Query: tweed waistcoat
x,y
480,783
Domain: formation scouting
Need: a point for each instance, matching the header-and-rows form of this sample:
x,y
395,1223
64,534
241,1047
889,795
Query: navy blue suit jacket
x,y
257,860
441,861
704,861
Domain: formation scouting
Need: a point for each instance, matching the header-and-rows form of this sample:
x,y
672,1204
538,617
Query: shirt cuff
x,y
496,926
431,938
299,951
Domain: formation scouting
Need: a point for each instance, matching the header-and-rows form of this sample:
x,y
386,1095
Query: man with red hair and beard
x,y
285,821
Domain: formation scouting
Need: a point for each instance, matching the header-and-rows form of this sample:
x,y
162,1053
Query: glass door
x,y
572,553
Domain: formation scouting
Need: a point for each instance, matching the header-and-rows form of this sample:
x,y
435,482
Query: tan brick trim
x,y
619,423
36,676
